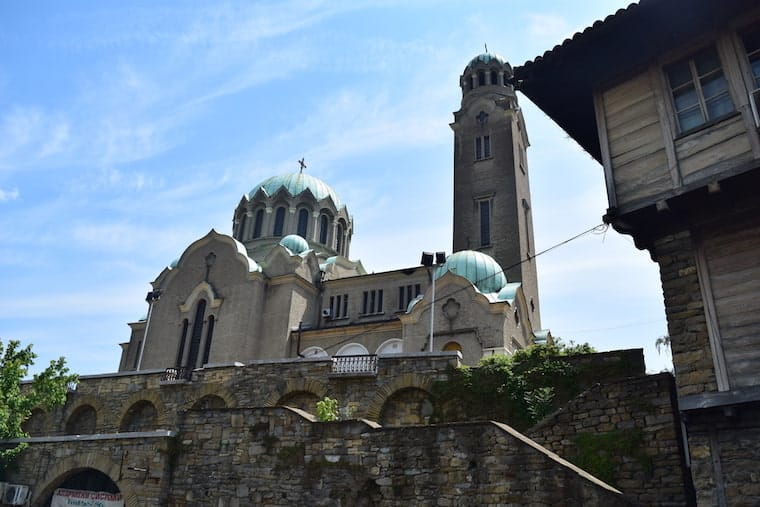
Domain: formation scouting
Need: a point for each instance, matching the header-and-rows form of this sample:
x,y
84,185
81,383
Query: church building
x,y
283,284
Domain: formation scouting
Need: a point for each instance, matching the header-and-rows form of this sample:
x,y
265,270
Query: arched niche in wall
x,y
141,416
82,421
352,349
392,346
314,352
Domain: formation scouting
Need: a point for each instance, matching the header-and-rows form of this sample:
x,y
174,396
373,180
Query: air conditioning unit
x,y
15,494
326,313
754,101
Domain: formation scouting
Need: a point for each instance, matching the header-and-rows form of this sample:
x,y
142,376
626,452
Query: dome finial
x,y
302,164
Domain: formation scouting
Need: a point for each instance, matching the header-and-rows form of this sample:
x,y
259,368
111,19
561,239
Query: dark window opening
x,y
406,293
323,224
752,46
258,221
372,302
486,146
494,77
279,221
195,340
209,336
339,240
485,223
303,223
182,339
241,226
481,78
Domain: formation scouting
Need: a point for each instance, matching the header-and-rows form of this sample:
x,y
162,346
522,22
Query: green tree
x,y
47,389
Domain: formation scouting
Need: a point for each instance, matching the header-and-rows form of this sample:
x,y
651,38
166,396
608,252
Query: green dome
x,y
295,184
487,58
480,269
295,243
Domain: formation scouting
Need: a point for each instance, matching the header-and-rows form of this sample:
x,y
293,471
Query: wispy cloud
x,y
8,195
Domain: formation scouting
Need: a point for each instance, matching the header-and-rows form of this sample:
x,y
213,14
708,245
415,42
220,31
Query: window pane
x,y
478,148
718,106
679,74
690,119
279,221
706,61
303,221
714,85
685,98
487,146
756,71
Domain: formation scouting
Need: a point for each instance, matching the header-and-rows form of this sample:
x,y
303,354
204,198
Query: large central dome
x,y
295,184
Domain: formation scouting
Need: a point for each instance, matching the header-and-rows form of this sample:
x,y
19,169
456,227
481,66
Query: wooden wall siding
x,y
714,149
636,143
733,261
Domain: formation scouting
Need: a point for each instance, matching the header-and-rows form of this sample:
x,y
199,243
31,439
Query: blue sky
x,y
128,130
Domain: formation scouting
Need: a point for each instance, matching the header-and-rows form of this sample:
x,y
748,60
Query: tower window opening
x,y
494,77
195,340
485,222
279,221
257,223
482,147
303,222
481,78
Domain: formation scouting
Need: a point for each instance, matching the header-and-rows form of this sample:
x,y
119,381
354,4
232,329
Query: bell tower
x,y
492,206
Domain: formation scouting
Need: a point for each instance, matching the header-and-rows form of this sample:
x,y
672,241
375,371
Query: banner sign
x,y
74,498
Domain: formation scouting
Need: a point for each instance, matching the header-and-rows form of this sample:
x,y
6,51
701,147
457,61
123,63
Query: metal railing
x,y
354,364
176,375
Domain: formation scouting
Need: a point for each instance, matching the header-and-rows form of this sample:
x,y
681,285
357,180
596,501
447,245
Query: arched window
x,y
195,340
494,77
303,222
323,224
257,222
339,239
241,226
182,339
209,336
481,78
279,221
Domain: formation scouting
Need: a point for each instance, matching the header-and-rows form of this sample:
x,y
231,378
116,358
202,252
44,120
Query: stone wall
x,y
280,456
628,430
724,449
687,325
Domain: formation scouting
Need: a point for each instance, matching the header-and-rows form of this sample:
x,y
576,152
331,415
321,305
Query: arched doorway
x,y
80,483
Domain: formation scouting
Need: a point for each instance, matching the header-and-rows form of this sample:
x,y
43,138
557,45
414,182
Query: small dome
x,y
295,243
480,269
295,184
487,58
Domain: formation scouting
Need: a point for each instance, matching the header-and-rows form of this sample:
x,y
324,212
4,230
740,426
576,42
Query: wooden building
x,y
665,95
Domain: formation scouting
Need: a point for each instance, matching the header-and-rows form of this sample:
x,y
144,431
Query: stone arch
x,y
296,386
151,397
212,390
66,467
404,381
82,421
36,424
209,402
140,416
406,407
94,402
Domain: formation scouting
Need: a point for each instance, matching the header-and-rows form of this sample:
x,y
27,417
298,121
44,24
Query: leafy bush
x,y
327,409
520,389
